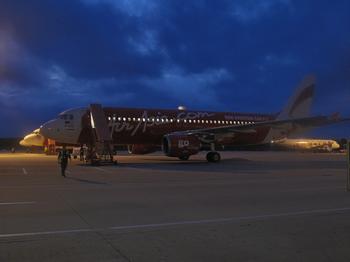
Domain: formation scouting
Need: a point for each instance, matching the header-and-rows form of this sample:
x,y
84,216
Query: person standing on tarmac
x,y
63,156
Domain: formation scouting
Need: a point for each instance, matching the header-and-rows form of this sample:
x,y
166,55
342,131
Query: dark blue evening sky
x,y
212,55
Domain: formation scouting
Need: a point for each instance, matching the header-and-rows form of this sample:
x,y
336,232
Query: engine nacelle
x,y
139,149
180,145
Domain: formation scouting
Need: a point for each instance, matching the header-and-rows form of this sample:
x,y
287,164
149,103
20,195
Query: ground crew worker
x,y
82,153
63,156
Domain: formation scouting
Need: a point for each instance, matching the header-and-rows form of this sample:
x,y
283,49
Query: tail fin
x,y
299,104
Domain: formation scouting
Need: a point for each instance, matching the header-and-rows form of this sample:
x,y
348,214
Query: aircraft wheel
x,y
184,158
213,157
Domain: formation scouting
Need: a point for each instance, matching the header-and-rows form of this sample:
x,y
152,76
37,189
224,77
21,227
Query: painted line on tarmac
x,y
232,219
180,223
24,171
46,233
17,203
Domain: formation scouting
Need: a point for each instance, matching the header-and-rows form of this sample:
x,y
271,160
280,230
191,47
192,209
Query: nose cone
x,y
32,140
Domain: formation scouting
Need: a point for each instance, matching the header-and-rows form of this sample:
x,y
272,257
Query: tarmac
x,y
252,206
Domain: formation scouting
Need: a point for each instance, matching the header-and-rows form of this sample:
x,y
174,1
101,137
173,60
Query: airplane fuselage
x,y
148,126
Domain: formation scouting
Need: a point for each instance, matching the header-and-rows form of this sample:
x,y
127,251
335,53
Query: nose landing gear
x,y
213,157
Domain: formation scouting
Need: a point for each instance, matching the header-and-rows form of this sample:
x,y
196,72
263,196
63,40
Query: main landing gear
x,y
213,157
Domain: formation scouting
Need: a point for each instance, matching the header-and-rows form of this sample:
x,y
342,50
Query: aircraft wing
x,y
286,126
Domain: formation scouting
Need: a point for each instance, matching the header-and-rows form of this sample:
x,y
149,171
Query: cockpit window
x,y
66,117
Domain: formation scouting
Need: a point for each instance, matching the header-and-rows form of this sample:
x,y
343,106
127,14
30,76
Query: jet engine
x,y
139,149
181,146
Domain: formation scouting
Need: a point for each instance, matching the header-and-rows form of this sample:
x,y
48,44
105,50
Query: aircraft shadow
x,y
87,181
231,164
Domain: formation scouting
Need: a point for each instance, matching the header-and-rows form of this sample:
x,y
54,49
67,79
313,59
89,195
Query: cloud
x,y
251,11
88,41
222,55
135,8
191,88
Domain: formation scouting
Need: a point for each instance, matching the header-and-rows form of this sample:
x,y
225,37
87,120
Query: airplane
x,y
316,145
182,133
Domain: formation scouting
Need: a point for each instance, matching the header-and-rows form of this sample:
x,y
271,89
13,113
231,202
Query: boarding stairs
x,y
102,151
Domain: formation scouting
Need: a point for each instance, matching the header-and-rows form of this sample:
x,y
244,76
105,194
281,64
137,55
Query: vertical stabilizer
x,y
299,104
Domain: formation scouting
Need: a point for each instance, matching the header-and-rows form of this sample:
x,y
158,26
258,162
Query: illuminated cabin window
x,y
124,119
234,122
190,121
185,121
171,120
166,120
226,122
157,120
214,121
178,120
113,118
143,119
206,121
162,120
139,119
210,121
230,122
134,119
219,122
109,118
129,119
